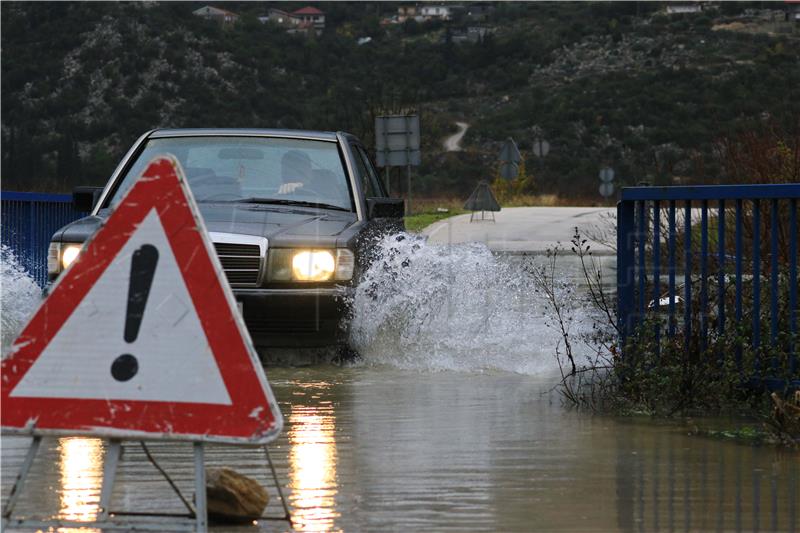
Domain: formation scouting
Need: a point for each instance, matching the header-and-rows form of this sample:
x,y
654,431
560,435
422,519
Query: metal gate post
x,y
626,247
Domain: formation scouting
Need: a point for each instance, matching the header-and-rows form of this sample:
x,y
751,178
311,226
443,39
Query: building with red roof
x,y
307,20
311,15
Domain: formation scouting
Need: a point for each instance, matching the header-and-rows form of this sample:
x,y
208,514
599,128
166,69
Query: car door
x,y
371,187
371,183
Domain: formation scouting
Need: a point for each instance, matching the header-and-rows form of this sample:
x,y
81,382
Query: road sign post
x,y
397,144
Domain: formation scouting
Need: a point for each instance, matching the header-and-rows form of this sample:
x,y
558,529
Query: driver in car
x,y
295,171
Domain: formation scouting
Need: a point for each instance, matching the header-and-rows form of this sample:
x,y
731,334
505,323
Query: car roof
x,y
245,132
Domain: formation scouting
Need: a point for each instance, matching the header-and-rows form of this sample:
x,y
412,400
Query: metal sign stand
x,y
196,519
483,217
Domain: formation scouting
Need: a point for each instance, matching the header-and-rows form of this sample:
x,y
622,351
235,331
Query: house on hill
x,y
311,15
405,13
214,13
677,8
440,12
305,21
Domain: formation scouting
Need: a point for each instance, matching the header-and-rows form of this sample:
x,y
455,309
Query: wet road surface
x,y
376,448
526,229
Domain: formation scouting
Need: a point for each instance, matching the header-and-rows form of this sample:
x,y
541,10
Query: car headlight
x,y
61,255
287,264
313,265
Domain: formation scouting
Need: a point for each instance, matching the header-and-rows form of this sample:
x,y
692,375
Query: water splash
x,y
19,297
457,307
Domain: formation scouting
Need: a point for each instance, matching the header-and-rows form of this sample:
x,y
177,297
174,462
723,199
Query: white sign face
x,y
169,342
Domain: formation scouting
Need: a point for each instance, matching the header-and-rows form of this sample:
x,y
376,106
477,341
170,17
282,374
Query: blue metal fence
x,y
29,221
753,265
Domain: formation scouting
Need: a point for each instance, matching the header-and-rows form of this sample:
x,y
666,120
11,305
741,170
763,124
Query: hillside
x,y
620,84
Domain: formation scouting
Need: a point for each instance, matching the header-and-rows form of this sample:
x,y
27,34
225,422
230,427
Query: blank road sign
x,y
606,189
607,175
397,140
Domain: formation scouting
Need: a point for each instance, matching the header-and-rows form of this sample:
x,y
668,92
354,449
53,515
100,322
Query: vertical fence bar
x,y
739,262
721,260
642,270
625,262
672,267
745,276
756,340
703,275
793,286
657,270
773,277
687,274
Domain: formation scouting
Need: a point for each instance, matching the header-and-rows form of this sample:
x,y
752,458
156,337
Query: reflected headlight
x,y
287,264
313,265
61,255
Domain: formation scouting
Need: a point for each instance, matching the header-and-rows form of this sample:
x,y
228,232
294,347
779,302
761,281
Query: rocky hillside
x,y
621,84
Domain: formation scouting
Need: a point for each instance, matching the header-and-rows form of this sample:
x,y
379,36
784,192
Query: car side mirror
x,y
84,198
386,207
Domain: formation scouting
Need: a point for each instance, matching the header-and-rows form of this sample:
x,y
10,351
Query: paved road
x,y
525,229
453,142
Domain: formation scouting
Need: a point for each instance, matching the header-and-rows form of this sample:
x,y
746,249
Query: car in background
x,y
293,215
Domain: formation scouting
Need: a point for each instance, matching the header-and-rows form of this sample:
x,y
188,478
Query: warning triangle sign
x,y
141,337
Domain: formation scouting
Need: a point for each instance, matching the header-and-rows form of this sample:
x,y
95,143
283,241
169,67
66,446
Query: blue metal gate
x,y
672,235
29,221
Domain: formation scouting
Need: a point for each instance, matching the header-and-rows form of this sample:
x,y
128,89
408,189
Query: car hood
x,y
282,226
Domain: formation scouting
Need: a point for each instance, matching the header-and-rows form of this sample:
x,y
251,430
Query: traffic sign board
x,y
141,336
606,189
540,147
509,171
607,175
510,153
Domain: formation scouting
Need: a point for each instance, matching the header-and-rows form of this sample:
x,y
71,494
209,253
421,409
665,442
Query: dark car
x,y
293,216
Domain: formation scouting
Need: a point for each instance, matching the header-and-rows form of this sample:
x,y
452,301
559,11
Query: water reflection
x,y
703,485
312,462
81,468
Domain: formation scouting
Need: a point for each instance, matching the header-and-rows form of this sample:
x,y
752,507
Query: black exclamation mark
x,y
143,268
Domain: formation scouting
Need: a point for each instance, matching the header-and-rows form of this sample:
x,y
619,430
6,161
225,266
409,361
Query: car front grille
x,y
241,263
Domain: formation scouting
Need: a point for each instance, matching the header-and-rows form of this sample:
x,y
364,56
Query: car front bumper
x,y
302,317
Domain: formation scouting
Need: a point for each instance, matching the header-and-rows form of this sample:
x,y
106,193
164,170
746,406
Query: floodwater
x,y
449,423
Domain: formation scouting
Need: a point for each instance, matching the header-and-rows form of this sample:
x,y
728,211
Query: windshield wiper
x,y
286,201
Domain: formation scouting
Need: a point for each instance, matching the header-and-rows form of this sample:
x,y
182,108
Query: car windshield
x,y
252,169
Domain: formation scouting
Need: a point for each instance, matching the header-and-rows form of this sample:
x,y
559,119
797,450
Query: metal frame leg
x,y
110,464
287,514
19,483
201,509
